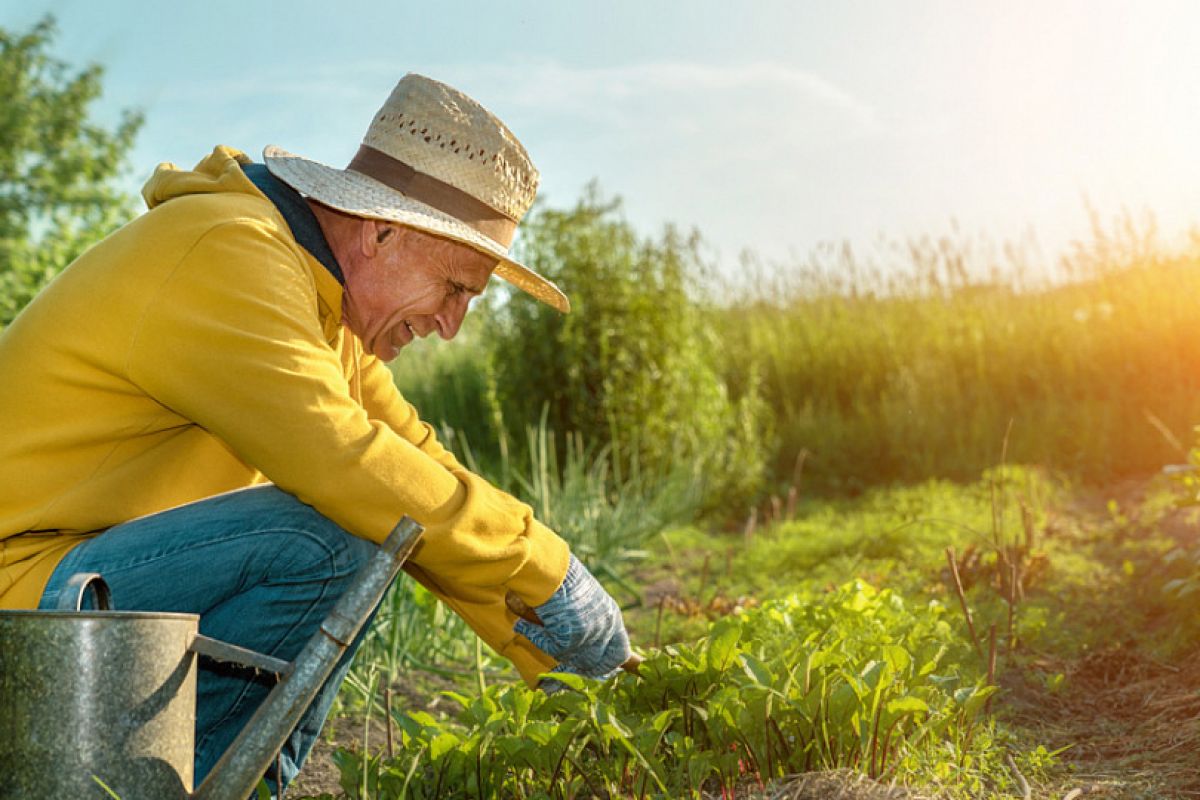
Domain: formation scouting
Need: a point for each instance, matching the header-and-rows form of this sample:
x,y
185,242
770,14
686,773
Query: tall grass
x,y
932,356
884,376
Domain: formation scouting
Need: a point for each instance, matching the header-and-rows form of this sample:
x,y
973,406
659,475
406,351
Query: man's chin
x,y
386,351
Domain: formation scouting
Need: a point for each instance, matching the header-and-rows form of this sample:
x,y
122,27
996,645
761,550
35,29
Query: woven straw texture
x,y
442,133
438,130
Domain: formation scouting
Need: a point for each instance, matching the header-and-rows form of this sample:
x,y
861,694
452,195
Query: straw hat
x,y
435,160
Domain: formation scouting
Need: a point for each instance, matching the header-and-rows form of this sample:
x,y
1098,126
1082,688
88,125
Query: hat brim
x,y
362,196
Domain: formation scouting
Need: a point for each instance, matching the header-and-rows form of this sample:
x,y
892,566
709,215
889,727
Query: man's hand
x,y
583,628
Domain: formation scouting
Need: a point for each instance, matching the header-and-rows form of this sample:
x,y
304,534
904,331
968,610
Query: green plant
x,y
855,678
605,515
1184,561
1188,584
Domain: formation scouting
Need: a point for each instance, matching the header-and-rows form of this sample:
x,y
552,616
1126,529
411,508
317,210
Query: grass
x,y
1097,378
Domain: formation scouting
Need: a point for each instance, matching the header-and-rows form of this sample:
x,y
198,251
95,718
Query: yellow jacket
x,y
200,349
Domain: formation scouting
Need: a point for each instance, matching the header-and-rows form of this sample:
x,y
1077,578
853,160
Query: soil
x,y
1129,718
837,785
1132,724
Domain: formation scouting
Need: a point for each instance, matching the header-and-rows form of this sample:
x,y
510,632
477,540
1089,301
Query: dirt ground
x,y
1132,723
1129,718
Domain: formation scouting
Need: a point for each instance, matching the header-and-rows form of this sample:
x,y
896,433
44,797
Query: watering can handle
x,y
71,596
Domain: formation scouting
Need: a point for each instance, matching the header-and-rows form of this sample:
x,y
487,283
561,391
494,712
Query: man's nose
x,y
450,319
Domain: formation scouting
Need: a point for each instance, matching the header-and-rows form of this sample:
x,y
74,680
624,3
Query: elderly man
x,y
198,408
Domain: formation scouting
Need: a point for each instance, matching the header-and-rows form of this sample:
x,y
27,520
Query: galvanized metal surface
x,y
85,695
239,769
232,654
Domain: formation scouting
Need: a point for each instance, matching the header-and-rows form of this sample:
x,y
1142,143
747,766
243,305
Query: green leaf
x,y
569,680
663,719
442,743
722,643
930,665
907,705
897,658
961,696
539,732
423,718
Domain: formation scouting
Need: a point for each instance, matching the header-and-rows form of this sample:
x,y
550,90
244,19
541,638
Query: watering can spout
x,y
247,758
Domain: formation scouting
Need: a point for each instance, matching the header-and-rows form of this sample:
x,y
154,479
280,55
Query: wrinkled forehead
x,y
474,266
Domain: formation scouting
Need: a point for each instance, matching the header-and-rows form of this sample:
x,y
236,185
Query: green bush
x,y
633,367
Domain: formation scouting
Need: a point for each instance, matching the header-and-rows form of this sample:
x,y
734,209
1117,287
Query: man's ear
x,y
374,234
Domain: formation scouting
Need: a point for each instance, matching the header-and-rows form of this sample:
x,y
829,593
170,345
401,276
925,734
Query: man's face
x,y
409,283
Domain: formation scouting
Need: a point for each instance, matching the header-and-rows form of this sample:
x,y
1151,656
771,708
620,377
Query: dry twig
x,y
1026,792
952,560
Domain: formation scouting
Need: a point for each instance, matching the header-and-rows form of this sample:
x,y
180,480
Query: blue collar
x,y
298,216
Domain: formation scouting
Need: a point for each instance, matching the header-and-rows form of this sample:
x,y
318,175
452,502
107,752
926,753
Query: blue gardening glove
x,y
583,628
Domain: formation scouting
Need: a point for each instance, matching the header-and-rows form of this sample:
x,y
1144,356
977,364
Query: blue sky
x,y
768,125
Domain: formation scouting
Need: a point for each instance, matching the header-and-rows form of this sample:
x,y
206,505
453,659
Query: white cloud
x,y
553,87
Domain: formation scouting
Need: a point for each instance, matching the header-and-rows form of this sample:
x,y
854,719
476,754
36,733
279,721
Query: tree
x,y
58,168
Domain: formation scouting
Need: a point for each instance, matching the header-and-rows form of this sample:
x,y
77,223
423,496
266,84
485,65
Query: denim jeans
x,y
262,570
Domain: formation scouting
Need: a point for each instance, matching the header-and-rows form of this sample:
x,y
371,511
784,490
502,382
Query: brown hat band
x,y
433,192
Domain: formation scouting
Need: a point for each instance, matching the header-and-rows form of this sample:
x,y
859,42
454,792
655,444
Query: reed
x,y
928,369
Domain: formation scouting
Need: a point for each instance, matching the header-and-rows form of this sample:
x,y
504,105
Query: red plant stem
x,y
753,758
785,748
583,775
562,758
887,744
875,741
1012,604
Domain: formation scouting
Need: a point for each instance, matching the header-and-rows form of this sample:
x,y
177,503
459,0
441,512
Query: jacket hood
x,y
220,171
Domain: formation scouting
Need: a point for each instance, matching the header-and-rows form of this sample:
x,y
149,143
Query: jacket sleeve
x,y
231,341
483,609
383,401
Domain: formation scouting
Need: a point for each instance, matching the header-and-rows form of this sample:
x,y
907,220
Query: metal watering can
x,y
101,699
